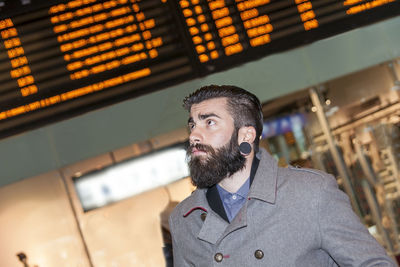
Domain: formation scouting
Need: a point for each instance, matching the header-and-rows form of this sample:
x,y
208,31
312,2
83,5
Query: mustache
x,y
201,147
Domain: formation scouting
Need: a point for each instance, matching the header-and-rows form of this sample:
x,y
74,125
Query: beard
x,y
208,170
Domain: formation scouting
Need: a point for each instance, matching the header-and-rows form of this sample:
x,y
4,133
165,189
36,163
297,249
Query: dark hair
x,y
244,107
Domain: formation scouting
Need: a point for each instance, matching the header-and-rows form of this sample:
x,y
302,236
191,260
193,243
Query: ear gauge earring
x,y
245,148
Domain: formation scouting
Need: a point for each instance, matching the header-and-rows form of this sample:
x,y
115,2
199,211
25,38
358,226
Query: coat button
x,y
259,254
218,257
203,216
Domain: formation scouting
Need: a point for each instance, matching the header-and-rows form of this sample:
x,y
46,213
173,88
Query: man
x,y
246,210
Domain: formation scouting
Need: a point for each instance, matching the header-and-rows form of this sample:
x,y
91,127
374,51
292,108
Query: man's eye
x,y
191,126
210,122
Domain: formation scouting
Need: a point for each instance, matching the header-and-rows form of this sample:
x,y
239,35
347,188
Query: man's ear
x,y
247,134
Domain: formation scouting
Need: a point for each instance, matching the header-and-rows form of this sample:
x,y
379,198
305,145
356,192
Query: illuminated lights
x,y
15,52
94,19
120,11
80,33
304,6
220,13
5,34
24,81
6,23
366,6
307,15
75,93
12,43
133,58
256,22
193,30
216,4
123,51
32,89
184,3
136,7
251,4
351,2
226,31
79,75
119,22
16,73
187,12
20,69
226,41
146,35
140,16
220,23
311,24
127,40
260,30
233,49
261,40
201,18
248,14
153,53
190,22
101,42
115,63
204,27
200,49
75,65
80,12
203,58
20,61
197,40
195,13
156,42
198,10
214,54
103,37
210,45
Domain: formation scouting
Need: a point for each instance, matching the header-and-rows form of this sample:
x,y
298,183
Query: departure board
x,y
59,59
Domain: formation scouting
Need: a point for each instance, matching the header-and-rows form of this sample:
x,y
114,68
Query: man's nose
x,y
196,136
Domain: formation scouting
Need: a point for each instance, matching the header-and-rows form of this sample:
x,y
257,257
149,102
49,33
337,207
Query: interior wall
x,y
42,217
36,218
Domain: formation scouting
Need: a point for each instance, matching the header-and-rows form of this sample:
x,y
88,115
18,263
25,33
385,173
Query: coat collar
x,y
265,180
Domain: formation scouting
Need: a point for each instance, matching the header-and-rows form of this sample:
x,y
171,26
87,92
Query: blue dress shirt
x,y
233,202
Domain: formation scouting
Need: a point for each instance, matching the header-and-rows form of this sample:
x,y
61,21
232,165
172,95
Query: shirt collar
x,y
242,191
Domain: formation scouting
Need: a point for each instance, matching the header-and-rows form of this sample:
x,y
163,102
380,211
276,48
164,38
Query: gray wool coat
x,y
293,217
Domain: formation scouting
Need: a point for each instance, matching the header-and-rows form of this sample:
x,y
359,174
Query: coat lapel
x,y
213,228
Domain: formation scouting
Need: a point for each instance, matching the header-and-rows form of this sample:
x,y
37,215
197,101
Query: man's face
x,y
210,123
214,151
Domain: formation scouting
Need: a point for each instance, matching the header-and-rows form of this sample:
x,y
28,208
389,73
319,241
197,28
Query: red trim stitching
x,y
195,208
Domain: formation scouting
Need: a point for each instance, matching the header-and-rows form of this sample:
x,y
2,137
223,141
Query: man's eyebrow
x,y
205,116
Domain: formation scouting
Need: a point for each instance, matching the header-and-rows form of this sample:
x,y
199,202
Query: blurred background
x,y
93,133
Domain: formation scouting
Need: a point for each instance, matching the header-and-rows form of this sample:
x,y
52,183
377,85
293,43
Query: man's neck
x,y
234,182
